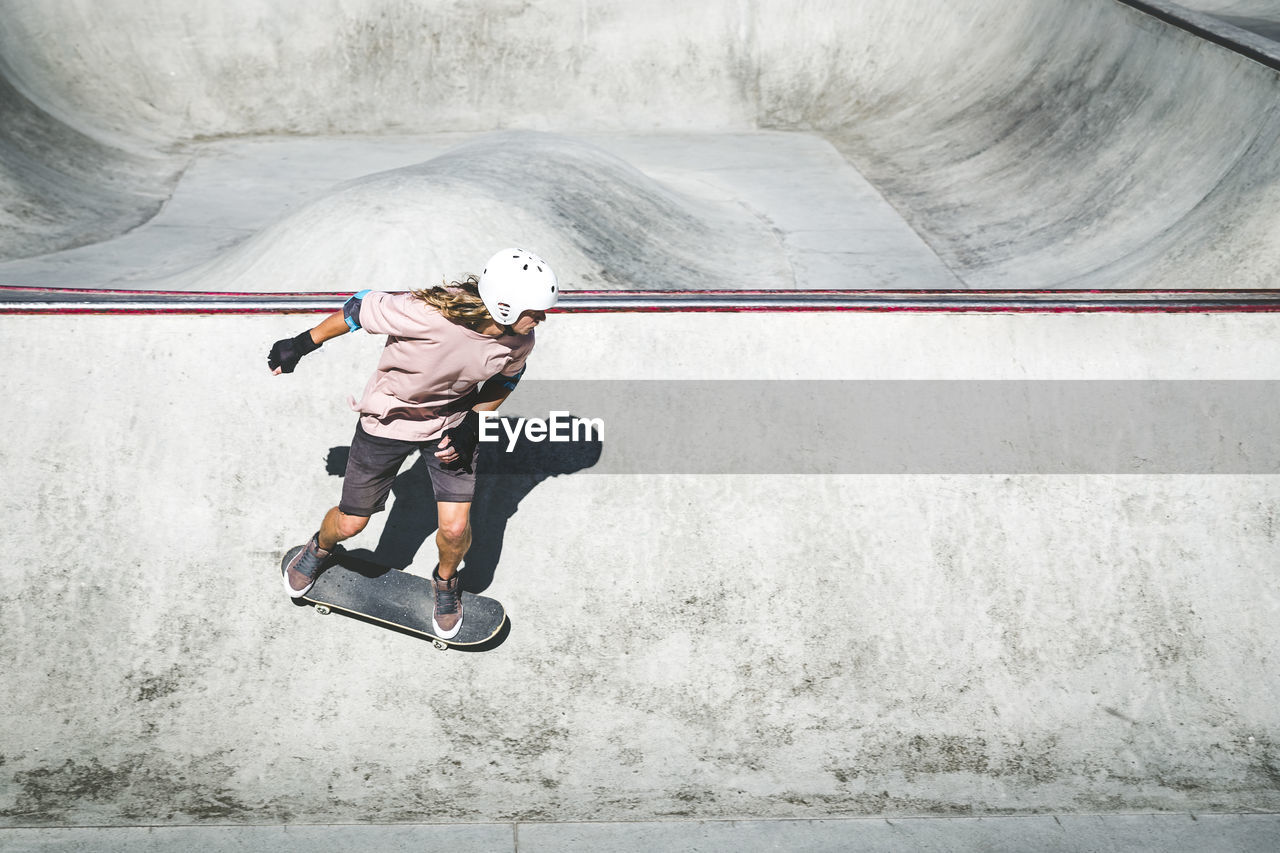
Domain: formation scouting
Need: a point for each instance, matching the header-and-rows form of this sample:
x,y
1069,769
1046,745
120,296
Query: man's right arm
x,y
286,353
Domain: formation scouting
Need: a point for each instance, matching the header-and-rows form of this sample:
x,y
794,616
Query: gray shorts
x,y
375,461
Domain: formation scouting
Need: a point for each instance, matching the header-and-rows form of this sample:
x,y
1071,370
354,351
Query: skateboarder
x,y
451,352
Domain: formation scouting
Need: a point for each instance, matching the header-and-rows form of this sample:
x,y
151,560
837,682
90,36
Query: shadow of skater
x,y
503,480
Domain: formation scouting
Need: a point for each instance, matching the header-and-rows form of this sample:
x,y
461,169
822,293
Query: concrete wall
x,y
176,71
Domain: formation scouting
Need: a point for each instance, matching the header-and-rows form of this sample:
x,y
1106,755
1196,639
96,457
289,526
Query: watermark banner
x,y
893,427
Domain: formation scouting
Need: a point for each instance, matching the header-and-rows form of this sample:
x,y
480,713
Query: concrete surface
x,y
1078,145
1261,17
65,187
1084,833
656,212
684,649
765,646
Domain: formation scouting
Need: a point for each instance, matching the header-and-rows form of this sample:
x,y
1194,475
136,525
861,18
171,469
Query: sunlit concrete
x,y
651,212
773,646
682,648
1167,833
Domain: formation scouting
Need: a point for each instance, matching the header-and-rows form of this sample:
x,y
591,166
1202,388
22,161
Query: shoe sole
x,y
445,635
288,588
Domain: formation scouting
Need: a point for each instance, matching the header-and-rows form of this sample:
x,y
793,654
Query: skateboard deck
x,y
397,599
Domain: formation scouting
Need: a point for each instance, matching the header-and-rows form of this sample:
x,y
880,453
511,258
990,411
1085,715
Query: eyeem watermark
x,y
557,427
890,427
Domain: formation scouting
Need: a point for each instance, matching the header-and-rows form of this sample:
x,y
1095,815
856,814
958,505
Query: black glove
x,y
286,353
464,438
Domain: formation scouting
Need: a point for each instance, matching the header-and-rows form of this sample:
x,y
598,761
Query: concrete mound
x,y
607,225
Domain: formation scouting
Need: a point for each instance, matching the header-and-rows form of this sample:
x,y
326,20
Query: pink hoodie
x,y
427,364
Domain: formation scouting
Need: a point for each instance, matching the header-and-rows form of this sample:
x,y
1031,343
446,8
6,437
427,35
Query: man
x,y
451,352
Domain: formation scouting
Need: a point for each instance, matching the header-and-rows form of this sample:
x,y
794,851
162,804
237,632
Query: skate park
x,y
982,560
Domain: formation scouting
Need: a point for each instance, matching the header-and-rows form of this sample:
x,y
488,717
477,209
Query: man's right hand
x,y
286,353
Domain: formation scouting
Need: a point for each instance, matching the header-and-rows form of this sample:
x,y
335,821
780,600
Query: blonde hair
x,y
458,301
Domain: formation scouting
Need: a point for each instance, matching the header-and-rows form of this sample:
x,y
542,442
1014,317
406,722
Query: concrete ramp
x,y
1259,17
682,646
1109,149
606,223
1048,145
787,644
63,187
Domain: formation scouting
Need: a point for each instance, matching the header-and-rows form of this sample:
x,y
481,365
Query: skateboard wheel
x,y
440,644
322,610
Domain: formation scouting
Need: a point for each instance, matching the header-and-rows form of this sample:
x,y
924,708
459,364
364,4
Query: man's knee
x,y
350,525
455,529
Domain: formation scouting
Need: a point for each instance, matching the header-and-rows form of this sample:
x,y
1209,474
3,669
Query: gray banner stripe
x,y
895,427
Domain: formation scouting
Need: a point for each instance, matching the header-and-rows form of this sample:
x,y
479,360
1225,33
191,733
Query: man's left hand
x,y
459,443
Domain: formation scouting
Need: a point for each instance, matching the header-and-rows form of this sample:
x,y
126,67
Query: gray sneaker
x,y
446,618
301,572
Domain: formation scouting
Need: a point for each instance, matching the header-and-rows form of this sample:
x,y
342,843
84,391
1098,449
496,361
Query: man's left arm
x,y
495,391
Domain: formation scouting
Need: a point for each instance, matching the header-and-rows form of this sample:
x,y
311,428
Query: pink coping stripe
x,y
70,301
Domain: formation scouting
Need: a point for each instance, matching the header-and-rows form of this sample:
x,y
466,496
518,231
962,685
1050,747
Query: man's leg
x,y
452,540
454,489
338,527
371,470
454,536
303,570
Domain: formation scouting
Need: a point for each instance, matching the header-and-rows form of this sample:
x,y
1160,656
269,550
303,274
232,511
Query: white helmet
x,y
515,281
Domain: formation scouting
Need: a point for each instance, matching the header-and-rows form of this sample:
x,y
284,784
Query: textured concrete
x,y
1113,834
1077,145
1012,192
654,212
1261,17
483,838
63,187
1084,833
681,646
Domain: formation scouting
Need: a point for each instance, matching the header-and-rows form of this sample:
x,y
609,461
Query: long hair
x,y
458,301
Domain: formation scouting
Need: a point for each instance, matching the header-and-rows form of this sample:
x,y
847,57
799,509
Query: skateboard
x,y
397,599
